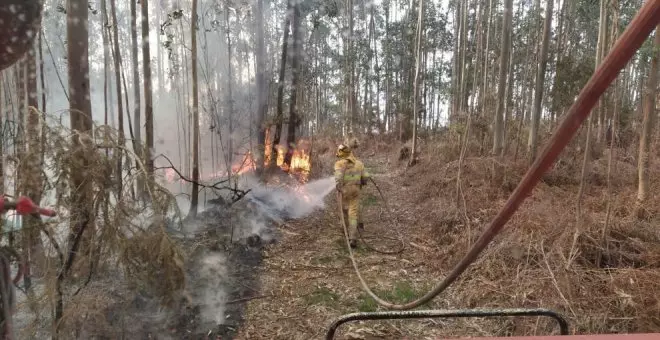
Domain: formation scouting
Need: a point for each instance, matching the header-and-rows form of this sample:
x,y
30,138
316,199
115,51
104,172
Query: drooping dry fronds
x,y
120,227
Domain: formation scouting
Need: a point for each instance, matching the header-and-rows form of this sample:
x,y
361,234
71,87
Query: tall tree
x,y
136,88
262,95
294,120
148,91
650,96
532,143
81,121
416,84
195,108
279,116
120,108
229,99
590,123
498,135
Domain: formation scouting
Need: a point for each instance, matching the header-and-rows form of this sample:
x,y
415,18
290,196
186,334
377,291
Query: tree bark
x,y
120,108
647,125
148,91
262,90
194,201
416,84
540,81
280,89
294,120
137,137
498,136
81,121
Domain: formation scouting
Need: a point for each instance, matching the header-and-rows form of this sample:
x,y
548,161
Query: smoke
x,y
208,288
291,202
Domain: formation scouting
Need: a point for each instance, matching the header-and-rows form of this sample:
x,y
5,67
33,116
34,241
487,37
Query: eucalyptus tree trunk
x,y
120,110
148,91
416,84
540,81
194,201
262,89
280,88
294,120
498,136
137,137
647,125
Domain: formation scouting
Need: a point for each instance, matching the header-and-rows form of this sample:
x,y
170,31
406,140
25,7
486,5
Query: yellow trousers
x,y
352,214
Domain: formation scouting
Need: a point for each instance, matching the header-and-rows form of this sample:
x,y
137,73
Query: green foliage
x,y
322,296
402,292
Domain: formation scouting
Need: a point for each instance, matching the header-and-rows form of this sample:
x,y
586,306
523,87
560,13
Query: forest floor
x,y
543,259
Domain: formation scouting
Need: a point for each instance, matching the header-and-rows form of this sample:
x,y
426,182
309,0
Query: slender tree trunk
x,y
194,201
148,91
647,126
416,84
136,92
280,89
262,90
120,109
540,82
81,120
587,148
294,120
106,60
498,136
602,37
229,97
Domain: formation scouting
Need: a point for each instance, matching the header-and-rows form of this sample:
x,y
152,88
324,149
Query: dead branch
x,y
238,194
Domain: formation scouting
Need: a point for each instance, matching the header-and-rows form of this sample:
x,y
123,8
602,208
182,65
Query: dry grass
x,y
542,259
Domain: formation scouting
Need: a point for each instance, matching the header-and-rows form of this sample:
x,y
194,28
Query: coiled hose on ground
x,y
632,38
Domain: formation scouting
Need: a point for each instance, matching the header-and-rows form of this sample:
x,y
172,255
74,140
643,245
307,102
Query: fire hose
x,y
625,47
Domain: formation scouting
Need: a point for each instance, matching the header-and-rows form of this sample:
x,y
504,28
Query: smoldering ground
x,y
222,248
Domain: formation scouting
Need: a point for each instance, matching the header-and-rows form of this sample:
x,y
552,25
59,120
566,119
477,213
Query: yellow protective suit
x,y
350,176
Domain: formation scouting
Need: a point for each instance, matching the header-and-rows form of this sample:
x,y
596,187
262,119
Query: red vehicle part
x,y
23,206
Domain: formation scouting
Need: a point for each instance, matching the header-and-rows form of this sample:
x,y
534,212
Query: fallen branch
x,y
248,298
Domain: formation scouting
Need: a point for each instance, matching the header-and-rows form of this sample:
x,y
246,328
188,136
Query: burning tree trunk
x,y
148,91
194,201
262,95
120,108
293,105
280,89
81,121
647,127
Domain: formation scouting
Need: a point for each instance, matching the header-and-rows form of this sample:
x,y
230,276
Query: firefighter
x,y
350,177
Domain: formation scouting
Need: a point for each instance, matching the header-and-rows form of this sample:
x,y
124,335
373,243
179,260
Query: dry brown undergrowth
x,y
532,263
125,238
